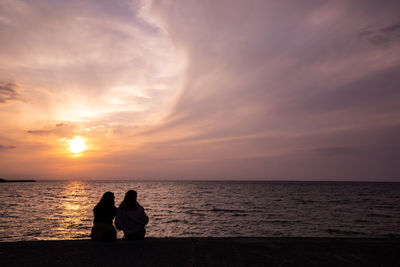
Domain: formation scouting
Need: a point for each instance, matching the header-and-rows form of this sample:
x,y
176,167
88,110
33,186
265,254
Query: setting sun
x,y
77,145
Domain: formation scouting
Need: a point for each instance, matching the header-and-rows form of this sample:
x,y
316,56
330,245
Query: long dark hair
x,y
130,200
107,199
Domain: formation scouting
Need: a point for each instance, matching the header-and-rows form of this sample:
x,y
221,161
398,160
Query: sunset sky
x,y
294,90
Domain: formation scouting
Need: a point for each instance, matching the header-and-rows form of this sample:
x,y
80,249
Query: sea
x,y
56,210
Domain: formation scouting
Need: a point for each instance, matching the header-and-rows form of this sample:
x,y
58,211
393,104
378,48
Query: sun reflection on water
x,y
74,207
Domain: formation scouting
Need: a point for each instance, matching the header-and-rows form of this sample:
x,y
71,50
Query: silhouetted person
x,y
104,213
131,217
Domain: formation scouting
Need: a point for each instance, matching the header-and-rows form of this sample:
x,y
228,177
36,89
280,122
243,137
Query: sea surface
x,y
63,209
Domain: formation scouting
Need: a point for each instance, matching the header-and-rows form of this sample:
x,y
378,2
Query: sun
x,y
77,145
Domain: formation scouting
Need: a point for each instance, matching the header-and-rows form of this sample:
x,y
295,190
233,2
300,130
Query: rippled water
x,y
63,210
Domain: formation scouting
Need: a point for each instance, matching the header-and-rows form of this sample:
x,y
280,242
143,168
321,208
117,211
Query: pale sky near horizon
x,y
299,90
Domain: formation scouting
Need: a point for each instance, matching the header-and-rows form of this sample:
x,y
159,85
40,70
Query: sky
x,y
249,90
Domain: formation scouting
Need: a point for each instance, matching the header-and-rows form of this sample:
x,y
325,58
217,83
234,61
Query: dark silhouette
x,y
16,181
104,213
131,217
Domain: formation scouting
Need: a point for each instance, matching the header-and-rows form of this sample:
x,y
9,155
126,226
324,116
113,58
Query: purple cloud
x,y
8,91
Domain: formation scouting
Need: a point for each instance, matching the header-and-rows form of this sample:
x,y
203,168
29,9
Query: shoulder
x,y
122,210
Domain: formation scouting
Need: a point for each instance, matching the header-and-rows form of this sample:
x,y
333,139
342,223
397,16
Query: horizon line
x,y
201,180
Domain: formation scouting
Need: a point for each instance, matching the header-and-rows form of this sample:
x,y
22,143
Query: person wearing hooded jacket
x,y
131,217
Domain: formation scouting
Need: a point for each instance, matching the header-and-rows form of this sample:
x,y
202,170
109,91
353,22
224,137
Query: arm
x,y
117,221
146,218
142,218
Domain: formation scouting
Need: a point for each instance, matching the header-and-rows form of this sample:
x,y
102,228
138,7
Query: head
x,y
130,200
107,199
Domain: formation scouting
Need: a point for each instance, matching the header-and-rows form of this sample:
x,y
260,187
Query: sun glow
x,y
77,145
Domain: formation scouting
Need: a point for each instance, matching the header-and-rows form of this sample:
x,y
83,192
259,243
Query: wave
x,y
226,210
361,221
177,221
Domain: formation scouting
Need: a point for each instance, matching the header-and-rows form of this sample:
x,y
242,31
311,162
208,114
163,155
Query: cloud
x,y
376,89
5,147
60,129
8,91
391,28
190,89
91,69
40,132
384,36
284,72
237,66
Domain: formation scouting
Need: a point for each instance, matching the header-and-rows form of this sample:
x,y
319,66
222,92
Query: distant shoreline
x,y
16,181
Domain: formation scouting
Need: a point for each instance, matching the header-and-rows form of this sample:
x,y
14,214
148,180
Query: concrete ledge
x,y
205,252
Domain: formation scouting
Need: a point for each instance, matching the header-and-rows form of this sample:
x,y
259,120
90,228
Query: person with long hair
x,y
104,214
131,217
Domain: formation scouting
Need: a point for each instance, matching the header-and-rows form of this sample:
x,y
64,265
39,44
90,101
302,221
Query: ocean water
x,y
63,209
